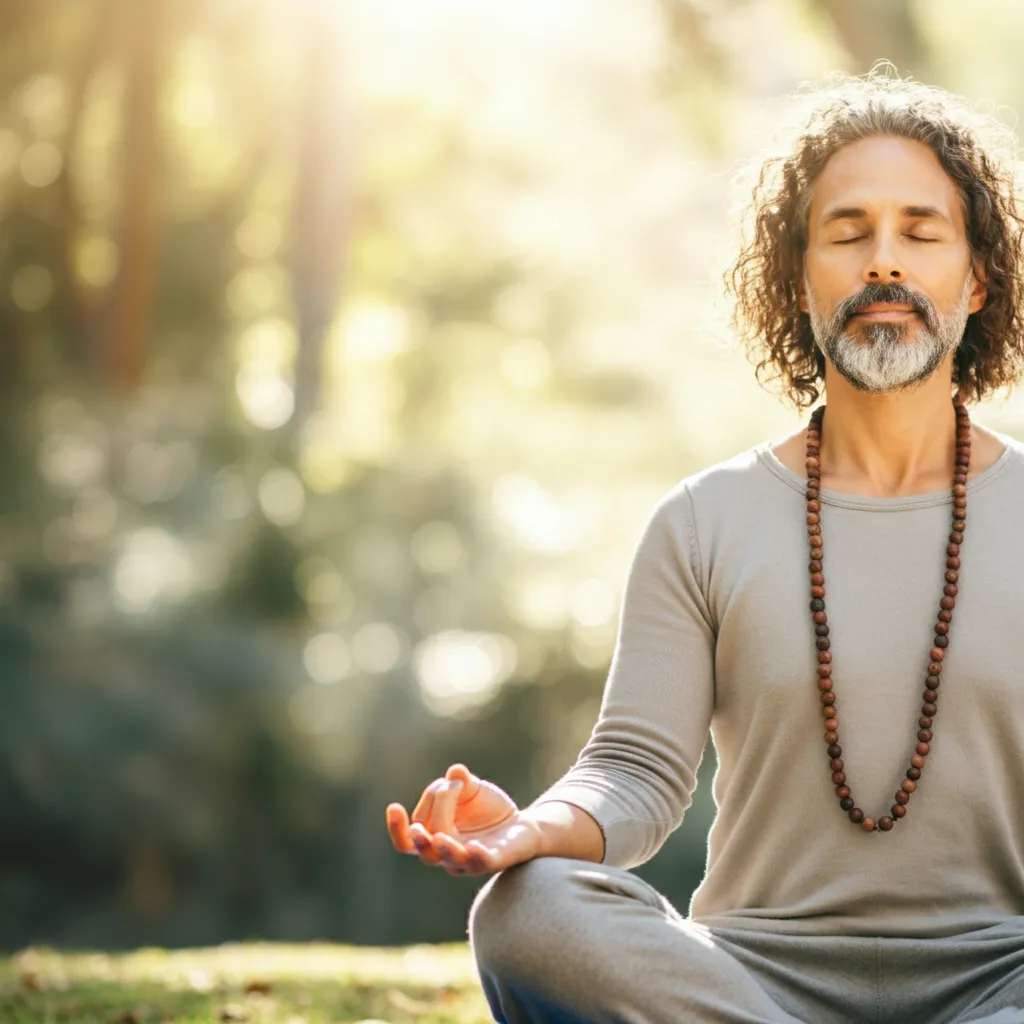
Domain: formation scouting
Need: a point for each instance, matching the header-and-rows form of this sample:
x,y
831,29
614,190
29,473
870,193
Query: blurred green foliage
x,y
346,347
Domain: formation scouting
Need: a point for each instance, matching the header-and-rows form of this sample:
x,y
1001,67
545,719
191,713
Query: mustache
x,y
894,293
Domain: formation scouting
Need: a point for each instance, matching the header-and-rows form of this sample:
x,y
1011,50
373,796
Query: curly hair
x,y
976,151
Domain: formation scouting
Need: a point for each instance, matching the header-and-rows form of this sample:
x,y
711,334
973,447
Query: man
x,y
839,609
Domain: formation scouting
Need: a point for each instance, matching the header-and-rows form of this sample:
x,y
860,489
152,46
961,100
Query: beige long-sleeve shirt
x,y
715,632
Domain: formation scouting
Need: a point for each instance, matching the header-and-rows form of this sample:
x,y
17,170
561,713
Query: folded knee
x,y
520,915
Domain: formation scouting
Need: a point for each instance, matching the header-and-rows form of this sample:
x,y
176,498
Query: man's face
x,y
888,276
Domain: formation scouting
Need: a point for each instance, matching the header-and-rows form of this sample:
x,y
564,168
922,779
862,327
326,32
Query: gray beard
x,y
883,357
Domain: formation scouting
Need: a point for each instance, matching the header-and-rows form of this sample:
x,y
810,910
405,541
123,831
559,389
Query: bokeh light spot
x,y
31,287
459,672
377,647
327,658
436,547
282,497
40,164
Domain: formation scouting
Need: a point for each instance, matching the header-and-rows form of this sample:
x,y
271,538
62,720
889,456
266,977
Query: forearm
x,y
566,831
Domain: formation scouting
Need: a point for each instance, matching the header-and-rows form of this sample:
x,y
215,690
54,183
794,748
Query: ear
x,y
979,287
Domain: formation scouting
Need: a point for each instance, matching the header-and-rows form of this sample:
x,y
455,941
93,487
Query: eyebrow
x,y
858,212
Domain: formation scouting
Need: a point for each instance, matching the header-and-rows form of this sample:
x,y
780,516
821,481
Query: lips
x,y
886,307
879,311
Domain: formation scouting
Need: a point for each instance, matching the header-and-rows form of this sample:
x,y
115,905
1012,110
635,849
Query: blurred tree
x,y
876,30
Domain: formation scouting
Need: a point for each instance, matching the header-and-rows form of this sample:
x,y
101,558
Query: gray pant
x,y
564,941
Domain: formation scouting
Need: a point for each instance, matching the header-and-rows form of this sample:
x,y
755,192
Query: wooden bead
x,y
937,653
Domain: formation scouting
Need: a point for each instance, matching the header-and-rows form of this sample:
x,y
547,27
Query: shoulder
x,y
734,485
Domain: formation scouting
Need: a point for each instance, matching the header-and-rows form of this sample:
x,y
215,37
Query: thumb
x,y
470,783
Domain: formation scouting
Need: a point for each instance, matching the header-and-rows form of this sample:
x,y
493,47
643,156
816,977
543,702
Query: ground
x,y
255,982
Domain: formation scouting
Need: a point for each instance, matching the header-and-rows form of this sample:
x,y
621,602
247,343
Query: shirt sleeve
x,y
636,774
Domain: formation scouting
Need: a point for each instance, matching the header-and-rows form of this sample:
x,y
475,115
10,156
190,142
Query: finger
x,y
421,840
398,829
426,803
450,850
479,858
442,814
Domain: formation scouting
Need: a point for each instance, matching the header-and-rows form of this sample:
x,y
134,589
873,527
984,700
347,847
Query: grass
x,y
258,983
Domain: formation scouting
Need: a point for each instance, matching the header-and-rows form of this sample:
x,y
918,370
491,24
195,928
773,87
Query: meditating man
x,y
841,609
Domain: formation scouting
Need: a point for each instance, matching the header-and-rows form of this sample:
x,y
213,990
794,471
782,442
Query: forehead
x,y
885,172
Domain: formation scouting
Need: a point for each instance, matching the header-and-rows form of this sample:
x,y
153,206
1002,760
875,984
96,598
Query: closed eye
x,y
847,241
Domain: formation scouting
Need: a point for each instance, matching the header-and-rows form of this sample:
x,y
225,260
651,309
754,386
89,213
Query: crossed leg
x,y
560,941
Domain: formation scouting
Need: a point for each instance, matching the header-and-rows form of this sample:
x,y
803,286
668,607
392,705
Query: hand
x,y
466,825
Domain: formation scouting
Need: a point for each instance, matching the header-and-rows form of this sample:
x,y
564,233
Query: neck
x,y
888,445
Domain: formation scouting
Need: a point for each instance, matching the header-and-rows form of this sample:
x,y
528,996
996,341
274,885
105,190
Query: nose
x,y
882,265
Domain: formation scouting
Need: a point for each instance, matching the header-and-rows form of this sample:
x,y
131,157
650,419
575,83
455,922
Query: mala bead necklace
x,y
941,640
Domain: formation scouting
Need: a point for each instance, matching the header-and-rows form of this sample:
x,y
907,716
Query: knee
x,y
518,918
